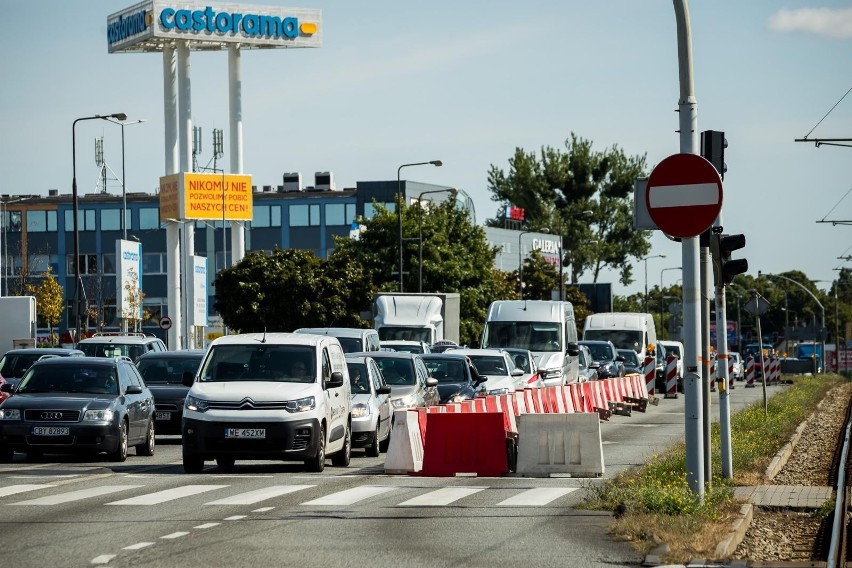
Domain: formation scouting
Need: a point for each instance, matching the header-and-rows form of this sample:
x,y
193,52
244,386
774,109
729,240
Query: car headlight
x,y
360,410
195,404
404,401
98,416
551,373
499,391
10,414
301,405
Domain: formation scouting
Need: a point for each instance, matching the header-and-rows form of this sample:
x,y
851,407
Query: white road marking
x,y
252,497
207,526
263,510
77,495
45,476
138,546
441,497
350,496
13,489
175,535
537,497
168,495
103,559
235,518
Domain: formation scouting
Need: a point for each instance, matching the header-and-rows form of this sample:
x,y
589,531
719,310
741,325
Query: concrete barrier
x,y
560,443
405,452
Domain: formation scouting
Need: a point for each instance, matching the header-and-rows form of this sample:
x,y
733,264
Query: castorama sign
x,y
147,26
129,279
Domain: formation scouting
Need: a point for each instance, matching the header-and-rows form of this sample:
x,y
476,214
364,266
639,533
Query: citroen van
x,y
280,396
546,328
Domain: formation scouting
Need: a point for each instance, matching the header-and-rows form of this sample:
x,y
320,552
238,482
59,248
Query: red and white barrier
x,y
671,376
730,373
649,369
749,372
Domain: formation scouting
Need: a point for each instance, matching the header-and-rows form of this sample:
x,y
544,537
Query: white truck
x,y
19,322
418,317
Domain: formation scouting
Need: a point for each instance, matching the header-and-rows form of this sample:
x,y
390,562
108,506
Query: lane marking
x,y
207,526
537,497
235,518
103,559
174,535
168,495
441,497
77,495
263,510
13,489
252,497
350,496
138,546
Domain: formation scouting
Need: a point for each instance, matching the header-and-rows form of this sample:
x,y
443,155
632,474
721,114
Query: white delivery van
x,y
546,328
280,396
627,330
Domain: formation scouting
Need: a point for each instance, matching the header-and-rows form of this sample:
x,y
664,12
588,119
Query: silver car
x,y
408,378
525,361
588,366
371,407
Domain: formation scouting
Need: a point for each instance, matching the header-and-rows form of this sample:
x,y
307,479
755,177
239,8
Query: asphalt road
x,y
70,511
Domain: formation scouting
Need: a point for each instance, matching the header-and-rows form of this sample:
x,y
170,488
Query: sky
x,y
467,83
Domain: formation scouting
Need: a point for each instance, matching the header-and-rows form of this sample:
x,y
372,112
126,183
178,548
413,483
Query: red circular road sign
x,y
684,195
165,322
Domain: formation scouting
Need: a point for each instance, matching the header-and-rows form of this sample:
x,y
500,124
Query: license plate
x,y
245,433
50,431
162,416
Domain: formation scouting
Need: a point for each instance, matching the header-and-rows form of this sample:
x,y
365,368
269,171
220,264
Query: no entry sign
x,y
684,195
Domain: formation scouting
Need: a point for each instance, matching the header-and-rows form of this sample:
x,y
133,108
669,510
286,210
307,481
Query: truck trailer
x,y
418,317
19,322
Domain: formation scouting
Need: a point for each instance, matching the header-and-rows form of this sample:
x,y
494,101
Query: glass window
x,y
266,216
154,263
370,209
88,264
314,215
299,216
109,263
110,220
85,219
149,218
38,263
335,214
14,221
41,221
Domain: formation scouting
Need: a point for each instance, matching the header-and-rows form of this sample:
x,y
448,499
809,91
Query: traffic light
x,y
724,267
713,144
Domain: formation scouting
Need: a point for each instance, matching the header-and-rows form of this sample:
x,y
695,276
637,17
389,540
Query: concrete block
x,y
560,443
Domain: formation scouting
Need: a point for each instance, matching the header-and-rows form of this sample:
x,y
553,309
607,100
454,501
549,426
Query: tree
x,y
49,301
134,298
556,188
540,278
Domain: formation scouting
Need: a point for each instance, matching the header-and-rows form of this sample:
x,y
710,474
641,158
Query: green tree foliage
x,y
49,302
540,278
555,189
288,289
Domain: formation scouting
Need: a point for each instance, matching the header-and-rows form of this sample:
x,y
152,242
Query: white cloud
x,y
819,21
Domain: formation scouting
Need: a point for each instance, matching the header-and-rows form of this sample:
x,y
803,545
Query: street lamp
x,y
521,260
76,207
399,206
123,175
661,292
453,192
646,278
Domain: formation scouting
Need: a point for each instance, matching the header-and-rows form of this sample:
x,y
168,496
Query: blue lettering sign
x,y
224,23
125,27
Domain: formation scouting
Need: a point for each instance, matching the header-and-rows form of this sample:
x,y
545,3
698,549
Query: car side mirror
x,y
336,380
620,359
384,389
133,389
517,372
431,382
572,348
595,365
6,387
187,378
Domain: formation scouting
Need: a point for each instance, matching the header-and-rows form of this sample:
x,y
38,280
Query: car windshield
x,y
600,351
621,338
406,333
630,357
534,336
489,365
69,379
15,365
396,371
350,344
167,371
266,362
405,347
358,378
112,350
446,371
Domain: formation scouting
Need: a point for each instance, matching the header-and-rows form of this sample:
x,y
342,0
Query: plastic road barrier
x,y
405,452
649,368
559,443
671,377
481,451
749,372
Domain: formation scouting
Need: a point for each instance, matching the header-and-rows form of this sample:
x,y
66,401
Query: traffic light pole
x,y
722,382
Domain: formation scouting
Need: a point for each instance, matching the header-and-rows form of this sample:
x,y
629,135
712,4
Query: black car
x,y
15,362
457,377
631,361
605,353
164,372
78,405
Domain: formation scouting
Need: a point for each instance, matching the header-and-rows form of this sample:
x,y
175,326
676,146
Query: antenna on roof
x,y
264,335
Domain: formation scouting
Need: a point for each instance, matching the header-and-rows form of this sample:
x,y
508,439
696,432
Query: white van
x,y
280,396
627,330
352,339
546,328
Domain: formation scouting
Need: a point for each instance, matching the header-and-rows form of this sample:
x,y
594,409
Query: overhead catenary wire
x,y
829,112
823,220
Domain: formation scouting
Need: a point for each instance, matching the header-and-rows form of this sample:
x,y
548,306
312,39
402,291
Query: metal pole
x,y
561,277
521,265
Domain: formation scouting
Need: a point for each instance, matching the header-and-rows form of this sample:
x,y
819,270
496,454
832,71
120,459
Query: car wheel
x,y
385,444
373,451
317,463
343,457
225,463
147,449
192,463
120,453
6,454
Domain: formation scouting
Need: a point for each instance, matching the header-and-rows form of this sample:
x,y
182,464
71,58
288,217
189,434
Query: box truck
x,y
19,322
417,317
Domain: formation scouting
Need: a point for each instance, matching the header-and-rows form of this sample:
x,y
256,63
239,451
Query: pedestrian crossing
x,y
211,495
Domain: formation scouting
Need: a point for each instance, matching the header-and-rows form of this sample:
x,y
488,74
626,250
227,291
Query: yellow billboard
x,y
191,196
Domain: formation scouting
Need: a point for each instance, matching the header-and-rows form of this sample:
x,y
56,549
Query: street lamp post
x,y
76,207
646,279
399,207
453,192
661,293
521,260
123,175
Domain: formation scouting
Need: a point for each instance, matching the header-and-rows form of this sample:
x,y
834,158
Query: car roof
x,y
119,338
494,352
446,355
181,354
336,331
357,358
45,351
400,342
274,338
81,361
388,354
595,342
